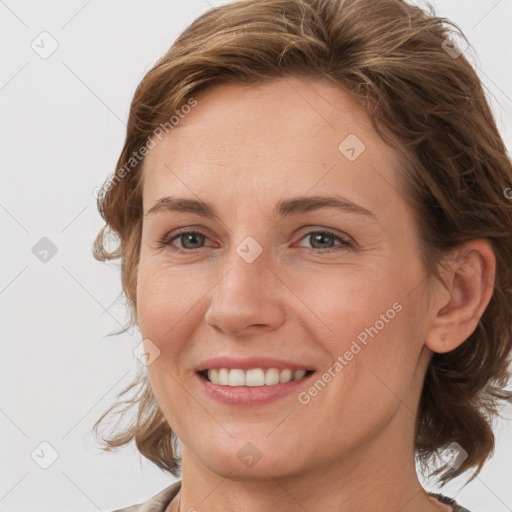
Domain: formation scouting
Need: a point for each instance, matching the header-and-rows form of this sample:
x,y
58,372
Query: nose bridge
x,y
243,295
248,256
247,268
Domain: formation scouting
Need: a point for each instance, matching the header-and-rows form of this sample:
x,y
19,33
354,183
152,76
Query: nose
x,y
246,298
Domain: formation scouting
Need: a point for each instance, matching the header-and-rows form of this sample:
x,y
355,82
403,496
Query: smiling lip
x,y
248,363
245,395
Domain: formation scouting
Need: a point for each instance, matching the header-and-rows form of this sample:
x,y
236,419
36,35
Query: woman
x,y
315,240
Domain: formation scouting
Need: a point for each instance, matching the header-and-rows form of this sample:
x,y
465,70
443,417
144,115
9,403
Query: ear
x,y
456,309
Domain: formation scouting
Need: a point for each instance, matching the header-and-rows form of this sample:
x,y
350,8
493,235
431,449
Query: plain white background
x,y
63,126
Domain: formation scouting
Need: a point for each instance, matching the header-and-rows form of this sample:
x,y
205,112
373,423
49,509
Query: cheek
x,y
165,317
345,302
373,325
150,294
379,354
165,296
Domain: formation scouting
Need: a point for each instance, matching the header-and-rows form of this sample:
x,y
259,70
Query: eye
x,y
321,240
189,240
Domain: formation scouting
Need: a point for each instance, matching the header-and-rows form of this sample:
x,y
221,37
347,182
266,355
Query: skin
x,y
242,149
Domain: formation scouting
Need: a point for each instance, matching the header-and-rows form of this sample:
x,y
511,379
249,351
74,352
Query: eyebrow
x,y
285,207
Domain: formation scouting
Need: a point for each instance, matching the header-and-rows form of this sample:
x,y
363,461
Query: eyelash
x,y
167,240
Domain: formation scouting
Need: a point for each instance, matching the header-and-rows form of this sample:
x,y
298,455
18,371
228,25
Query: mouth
x,y
253,377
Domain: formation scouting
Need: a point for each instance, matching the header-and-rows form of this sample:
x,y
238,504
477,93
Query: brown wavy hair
x,y
424,101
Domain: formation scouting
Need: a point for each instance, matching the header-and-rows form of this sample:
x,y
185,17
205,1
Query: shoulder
x,y
449,501
157,503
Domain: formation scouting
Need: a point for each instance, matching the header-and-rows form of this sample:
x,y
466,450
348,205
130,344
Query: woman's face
x,y
338,289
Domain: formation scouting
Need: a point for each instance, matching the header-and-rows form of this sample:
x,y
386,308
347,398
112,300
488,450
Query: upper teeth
x,y
253,377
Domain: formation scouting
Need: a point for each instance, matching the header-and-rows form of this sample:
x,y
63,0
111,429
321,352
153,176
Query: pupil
x,y
189,237
319,236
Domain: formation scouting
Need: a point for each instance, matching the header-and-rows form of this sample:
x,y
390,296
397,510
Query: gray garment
x,y
449,501
160,501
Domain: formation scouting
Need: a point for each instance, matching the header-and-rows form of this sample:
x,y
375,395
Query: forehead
x,y
266,139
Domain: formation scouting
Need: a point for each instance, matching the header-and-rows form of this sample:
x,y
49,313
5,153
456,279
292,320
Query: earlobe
x,y
441,343
470,281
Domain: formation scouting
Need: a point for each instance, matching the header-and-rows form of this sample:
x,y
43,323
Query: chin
x,y
251,461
